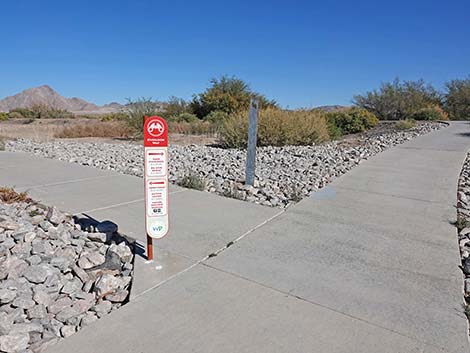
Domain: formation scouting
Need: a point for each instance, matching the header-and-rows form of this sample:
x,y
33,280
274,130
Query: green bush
x,y
350,121
216,116
276,128
406,124
186,117
137,110
333,130
113,117
39,112
457,99
21,113
2,145
227,94
3,116
398,99
175,106
430,114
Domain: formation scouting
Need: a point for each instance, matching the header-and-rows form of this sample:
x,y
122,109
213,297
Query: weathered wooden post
x,y
251,149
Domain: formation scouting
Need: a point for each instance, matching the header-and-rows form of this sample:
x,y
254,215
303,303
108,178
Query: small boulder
x,y
14,343
54,216
122,250
7,295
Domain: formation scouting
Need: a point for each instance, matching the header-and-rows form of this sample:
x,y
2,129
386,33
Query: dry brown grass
x,y
277,128
184,139
111,129
24,129
8,195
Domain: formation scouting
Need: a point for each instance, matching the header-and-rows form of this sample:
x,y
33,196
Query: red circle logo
x,y
155,127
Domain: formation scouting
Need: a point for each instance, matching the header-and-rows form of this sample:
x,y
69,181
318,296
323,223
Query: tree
x,y
457,99
137,110
398,100
176,107
228,95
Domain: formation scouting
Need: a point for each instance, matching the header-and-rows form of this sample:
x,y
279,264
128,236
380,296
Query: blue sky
x,y
301,53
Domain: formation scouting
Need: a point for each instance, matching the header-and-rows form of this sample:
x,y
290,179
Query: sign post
x,y
155,180
251,149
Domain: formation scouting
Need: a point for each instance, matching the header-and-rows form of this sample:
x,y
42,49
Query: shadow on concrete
x,y
89,224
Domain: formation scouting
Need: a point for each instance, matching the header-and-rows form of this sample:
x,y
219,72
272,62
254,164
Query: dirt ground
x,y
44,130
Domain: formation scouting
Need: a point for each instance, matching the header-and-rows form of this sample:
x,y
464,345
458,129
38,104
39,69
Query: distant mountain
x,y
46,96
331,108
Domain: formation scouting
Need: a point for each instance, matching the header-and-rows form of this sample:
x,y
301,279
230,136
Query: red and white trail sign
x,y
156,178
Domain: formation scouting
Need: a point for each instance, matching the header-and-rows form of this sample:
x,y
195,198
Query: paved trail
x,y
368,264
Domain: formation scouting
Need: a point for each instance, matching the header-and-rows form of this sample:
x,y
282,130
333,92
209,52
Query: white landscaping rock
x,y
283,174
14,343
44,294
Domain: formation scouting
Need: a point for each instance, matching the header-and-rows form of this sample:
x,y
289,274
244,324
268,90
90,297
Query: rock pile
x,y
283,174
463,226
54,277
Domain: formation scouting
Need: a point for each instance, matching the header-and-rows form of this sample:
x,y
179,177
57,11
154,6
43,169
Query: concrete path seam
x,y
215,253
65,182
425,149
229,244
112,206
124,203
322,306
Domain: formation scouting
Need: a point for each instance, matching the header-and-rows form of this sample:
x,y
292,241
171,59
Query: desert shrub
x,y
430,113
406,124
113,116
21,113
112,129
45,112
3,116
14,115
276,128
233,193
175,106
457,99
9,195
333,130
39,112
350,121
186,117
137,110
216,116
227,94
398,100
197,127
192,181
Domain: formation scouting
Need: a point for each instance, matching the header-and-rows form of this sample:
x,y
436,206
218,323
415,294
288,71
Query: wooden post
x,y
149,248
251,149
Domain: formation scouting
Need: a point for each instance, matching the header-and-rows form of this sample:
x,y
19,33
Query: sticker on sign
x,y
156,176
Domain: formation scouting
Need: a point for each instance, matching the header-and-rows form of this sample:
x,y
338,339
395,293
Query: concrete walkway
x,y
368,264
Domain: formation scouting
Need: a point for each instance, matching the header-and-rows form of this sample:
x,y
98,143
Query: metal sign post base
x,y
149,248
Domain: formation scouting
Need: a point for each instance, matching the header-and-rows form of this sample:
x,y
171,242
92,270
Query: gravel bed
x,y
463,226
283,174
56,278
